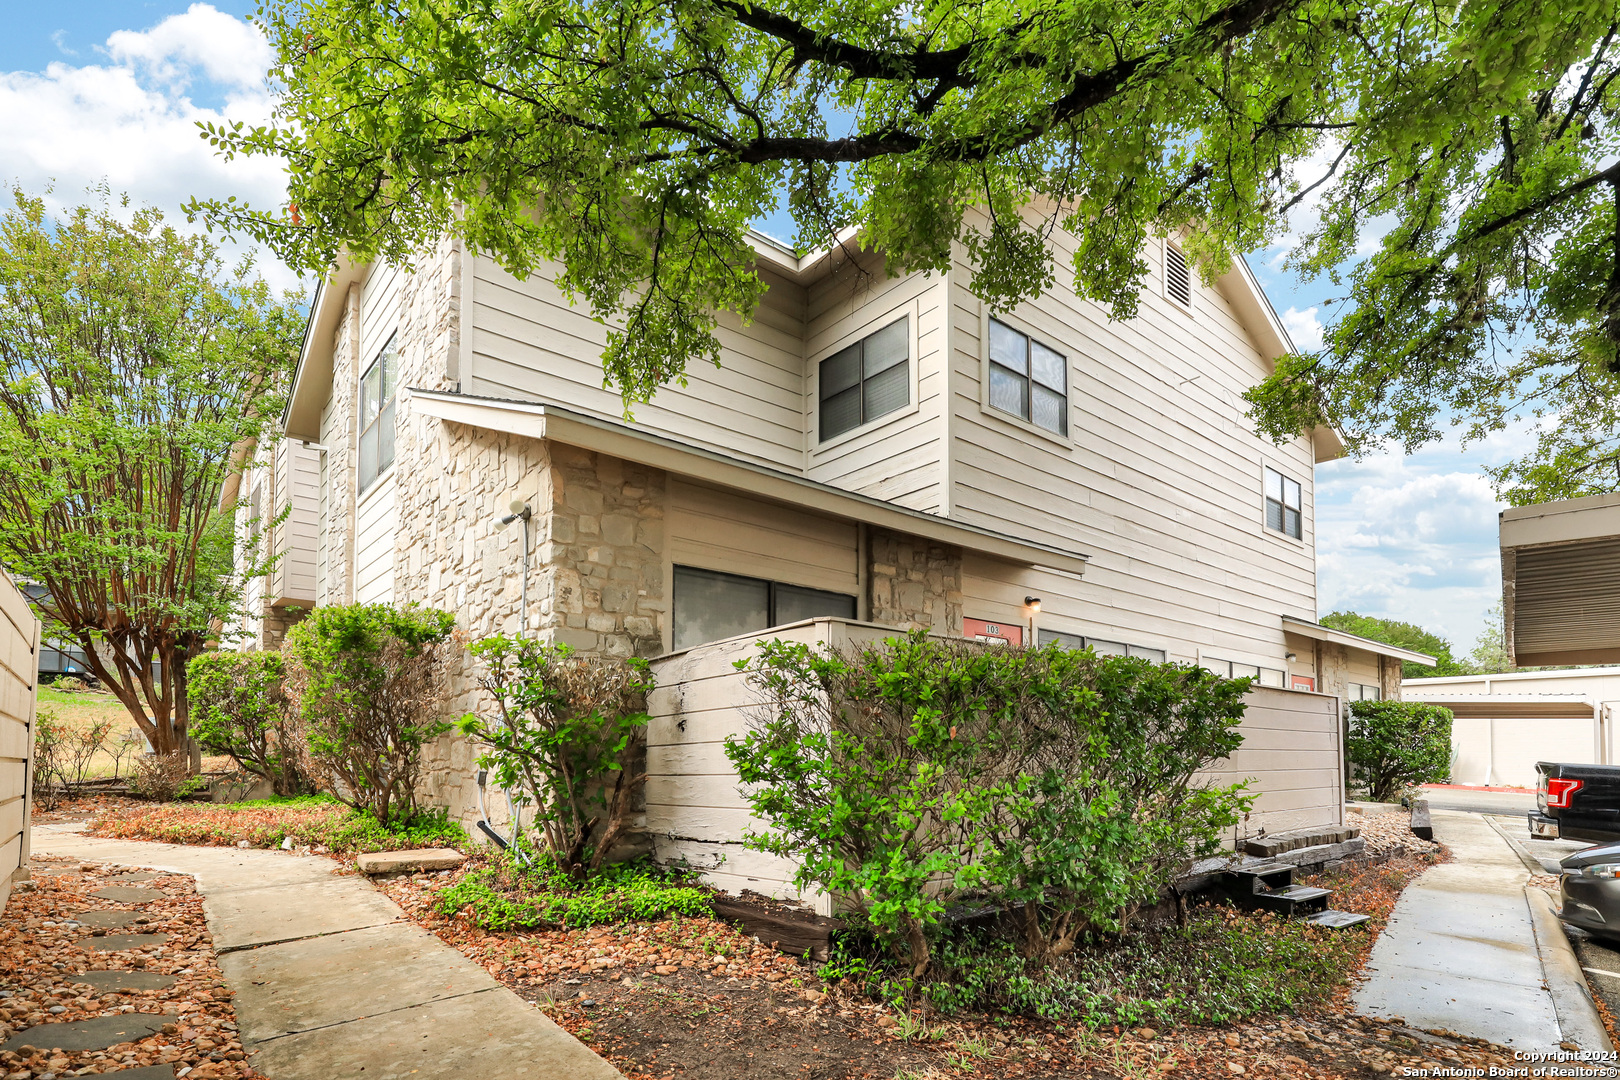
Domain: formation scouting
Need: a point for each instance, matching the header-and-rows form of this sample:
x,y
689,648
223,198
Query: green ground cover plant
x,y
506,896
309,820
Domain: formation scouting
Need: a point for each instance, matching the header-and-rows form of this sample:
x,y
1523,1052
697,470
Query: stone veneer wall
x,y
913,583
341,459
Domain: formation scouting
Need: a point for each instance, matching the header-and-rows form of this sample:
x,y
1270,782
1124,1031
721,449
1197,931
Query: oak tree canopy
x,y
1453,166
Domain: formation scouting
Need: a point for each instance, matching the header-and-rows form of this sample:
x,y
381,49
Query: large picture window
x,y
1100,646
711,605
866,380
377,416
1028,380
1283,504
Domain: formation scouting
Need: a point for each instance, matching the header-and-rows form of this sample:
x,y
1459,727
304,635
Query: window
x,y
1282,504
1365,692
1230,669
711,605
377,416
1028,380
869,379
1177,278
1099,646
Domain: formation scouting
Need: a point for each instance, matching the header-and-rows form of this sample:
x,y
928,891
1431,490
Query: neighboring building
x,y
871,449
1561,582
1506,723
277,500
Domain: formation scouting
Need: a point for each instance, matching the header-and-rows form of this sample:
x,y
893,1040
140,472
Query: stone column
x,y
914,583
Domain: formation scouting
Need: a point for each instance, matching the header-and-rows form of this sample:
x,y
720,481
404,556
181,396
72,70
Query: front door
x,y
1303,682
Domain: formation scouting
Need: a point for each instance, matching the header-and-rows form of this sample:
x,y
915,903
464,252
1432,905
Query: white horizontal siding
x,y
721,530
377,522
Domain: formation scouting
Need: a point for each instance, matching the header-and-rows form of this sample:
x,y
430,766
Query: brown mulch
x,y
695,999
39,958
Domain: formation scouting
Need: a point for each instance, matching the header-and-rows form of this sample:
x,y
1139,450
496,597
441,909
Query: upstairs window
x,y
377,416
1028,380
869,379
1283,504
1177,277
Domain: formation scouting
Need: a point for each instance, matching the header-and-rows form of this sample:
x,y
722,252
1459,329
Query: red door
x,y
1304,682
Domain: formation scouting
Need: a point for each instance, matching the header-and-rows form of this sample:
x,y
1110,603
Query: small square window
x,y
866,380
1028,380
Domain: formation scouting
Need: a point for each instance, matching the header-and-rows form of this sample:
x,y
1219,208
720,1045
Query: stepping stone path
x,y
129,894
96,1033
115,982
120,942
108,920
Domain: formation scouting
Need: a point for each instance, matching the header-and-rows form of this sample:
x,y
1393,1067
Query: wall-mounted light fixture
x,y
1033,603
1292,657
521,512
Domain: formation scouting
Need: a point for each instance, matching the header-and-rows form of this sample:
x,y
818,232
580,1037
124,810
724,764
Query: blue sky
x,y
93,89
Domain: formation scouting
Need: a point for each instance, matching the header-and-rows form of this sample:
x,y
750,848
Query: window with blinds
x,y
866,380
377,416
1028,380
1177,279
1284,504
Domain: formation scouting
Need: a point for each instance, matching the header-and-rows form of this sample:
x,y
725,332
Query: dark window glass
x,y
1027,379
711,605
1284,503
869,379
377,416
1059,638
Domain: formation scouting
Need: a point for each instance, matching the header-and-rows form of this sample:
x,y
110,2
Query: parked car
x,y
1590,887
1576,802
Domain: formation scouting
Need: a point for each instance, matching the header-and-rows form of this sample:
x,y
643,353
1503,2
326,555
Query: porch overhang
x,y
1561,582
1318,632
542,420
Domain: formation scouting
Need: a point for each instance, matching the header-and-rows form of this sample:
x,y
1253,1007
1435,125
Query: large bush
x,y
566,737
1057,783
240,707
370,681
1396,744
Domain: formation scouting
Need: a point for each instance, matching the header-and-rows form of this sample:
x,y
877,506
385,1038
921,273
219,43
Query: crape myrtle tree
x,y
631,144
132,362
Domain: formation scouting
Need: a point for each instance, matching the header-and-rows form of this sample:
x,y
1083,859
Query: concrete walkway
x,y
1469,950
332,981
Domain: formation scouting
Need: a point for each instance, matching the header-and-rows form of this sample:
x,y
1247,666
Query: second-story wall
x,y
1159,479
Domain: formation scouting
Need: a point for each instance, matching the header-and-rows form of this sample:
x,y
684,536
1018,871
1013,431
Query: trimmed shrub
x,y
240,707
566,737
50,754
1394,745
370,681
1060,784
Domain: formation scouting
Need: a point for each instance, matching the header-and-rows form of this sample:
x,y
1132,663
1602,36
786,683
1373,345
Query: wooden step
x,y
1334,919
1258,877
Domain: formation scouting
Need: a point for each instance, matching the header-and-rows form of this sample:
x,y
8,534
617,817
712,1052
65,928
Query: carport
x,y
1496,739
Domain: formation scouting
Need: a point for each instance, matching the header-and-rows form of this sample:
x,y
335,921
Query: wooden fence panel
x,y
19,670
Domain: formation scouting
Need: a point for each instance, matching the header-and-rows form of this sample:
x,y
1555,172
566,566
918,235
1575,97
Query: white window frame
x,y
389,351
1192,277
909,312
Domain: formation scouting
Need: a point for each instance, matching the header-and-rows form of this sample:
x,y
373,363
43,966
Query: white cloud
x,y
132,120
228,50
1304,327
1415,538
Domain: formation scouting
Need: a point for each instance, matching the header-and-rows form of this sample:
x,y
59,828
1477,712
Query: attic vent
x,y
1177,282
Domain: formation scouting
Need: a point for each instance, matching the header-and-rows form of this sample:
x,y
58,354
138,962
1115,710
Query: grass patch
x,y
504,896
310,820
1223,966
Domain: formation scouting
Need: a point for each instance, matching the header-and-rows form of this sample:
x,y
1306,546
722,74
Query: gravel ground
x,y
40,955
1390,835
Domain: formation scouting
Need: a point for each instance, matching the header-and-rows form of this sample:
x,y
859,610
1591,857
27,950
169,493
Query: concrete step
x,y
1285,843
1294,900
1242,881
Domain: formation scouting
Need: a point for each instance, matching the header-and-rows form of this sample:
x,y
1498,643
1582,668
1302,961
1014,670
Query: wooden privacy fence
x,y
1291,754
19,669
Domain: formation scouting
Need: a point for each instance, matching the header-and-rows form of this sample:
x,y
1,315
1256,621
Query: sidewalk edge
x,y
1572,997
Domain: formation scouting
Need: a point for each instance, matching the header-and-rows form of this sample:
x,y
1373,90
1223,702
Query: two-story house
x,y
877,449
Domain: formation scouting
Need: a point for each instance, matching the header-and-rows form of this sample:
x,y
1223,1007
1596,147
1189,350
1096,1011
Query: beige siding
x,y
1159,482
721,530
297,481
377,523
898,458
529,342
19,667
1291,756
330,475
